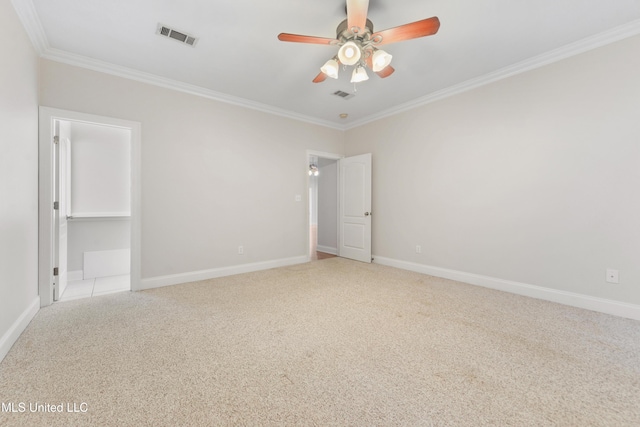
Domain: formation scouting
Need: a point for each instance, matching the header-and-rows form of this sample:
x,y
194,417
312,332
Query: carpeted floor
x,y
333,342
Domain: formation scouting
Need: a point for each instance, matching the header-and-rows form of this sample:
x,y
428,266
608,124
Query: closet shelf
x,y
99,216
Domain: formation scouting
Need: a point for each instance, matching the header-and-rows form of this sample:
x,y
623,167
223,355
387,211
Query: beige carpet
x,y
333,342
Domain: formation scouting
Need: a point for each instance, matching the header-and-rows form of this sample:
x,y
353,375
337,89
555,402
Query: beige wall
x,y
533,179
214,176
18,178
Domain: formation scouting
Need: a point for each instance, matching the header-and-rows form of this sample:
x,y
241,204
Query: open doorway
x,y
89,205
323,206
95,186
339,202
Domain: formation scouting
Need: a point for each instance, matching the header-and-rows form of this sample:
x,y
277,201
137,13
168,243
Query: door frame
x,y
324,155
59,259
47,116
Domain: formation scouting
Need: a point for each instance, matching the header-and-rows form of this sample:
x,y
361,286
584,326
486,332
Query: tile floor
x,y
94,287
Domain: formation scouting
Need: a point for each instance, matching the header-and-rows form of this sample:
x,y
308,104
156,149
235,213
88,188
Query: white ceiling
x,y
238,57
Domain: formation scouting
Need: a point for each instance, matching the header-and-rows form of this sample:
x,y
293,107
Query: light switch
x,y
298,198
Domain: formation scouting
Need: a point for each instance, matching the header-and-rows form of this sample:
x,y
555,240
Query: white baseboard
x,y
601,305
194,276
73,276
327,250
11,336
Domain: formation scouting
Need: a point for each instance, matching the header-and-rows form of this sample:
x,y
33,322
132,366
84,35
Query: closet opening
x,y
89,238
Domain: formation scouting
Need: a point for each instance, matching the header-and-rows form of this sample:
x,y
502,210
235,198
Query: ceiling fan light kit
x,y
330,68
381,60
350,53
359,75
359,44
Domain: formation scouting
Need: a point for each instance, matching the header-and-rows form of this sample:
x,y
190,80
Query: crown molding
x,y
607,37
116,70
28,16
31,22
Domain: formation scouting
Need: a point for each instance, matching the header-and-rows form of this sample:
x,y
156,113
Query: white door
x,y
61,190
355,208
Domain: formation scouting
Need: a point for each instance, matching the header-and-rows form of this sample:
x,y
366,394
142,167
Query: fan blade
x,y
357,14
320,78
425,27
386,71
297,38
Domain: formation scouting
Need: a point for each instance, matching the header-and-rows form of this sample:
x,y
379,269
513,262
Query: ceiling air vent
x,y
163,30
344,95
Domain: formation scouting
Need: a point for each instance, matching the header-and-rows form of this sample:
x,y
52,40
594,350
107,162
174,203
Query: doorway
x,y
323,207
346,231
89,205
97,214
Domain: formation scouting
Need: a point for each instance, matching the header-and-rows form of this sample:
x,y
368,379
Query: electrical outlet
x,y
613,276
418,249
240,250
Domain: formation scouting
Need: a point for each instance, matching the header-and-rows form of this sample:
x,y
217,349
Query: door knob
x,y
367,213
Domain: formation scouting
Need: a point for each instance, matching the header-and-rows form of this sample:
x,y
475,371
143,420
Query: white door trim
x,y
45,194
324,155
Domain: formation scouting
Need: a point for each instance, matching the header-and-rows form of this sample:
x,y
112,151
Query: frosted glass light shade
x,y
381,60
349,53
330,68
359,75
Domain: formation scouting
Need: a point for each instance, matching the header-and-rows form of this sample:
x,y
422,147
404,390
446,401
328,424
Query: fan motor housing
x,y
344,32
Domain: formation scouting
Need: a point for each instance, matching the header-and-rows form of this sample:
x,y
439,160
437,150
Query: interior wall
x,y
100,170
313,200
87,235
532,179
328,206
214,176
18,178
100,185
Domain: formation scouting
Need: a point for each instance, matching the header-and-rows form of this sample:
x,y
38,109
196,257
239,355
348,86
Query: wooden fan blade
x,y
425,27
297,38
320,78
357,14
386,71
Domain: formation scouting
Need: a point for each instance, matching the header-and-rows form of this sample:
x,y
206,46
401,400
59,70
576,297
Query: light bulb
x,y
349,53
359,75
381,60
330,68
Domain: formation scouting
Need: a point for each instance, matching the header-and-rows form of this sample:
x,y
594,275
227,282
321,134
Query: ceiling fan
x,y
359,44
